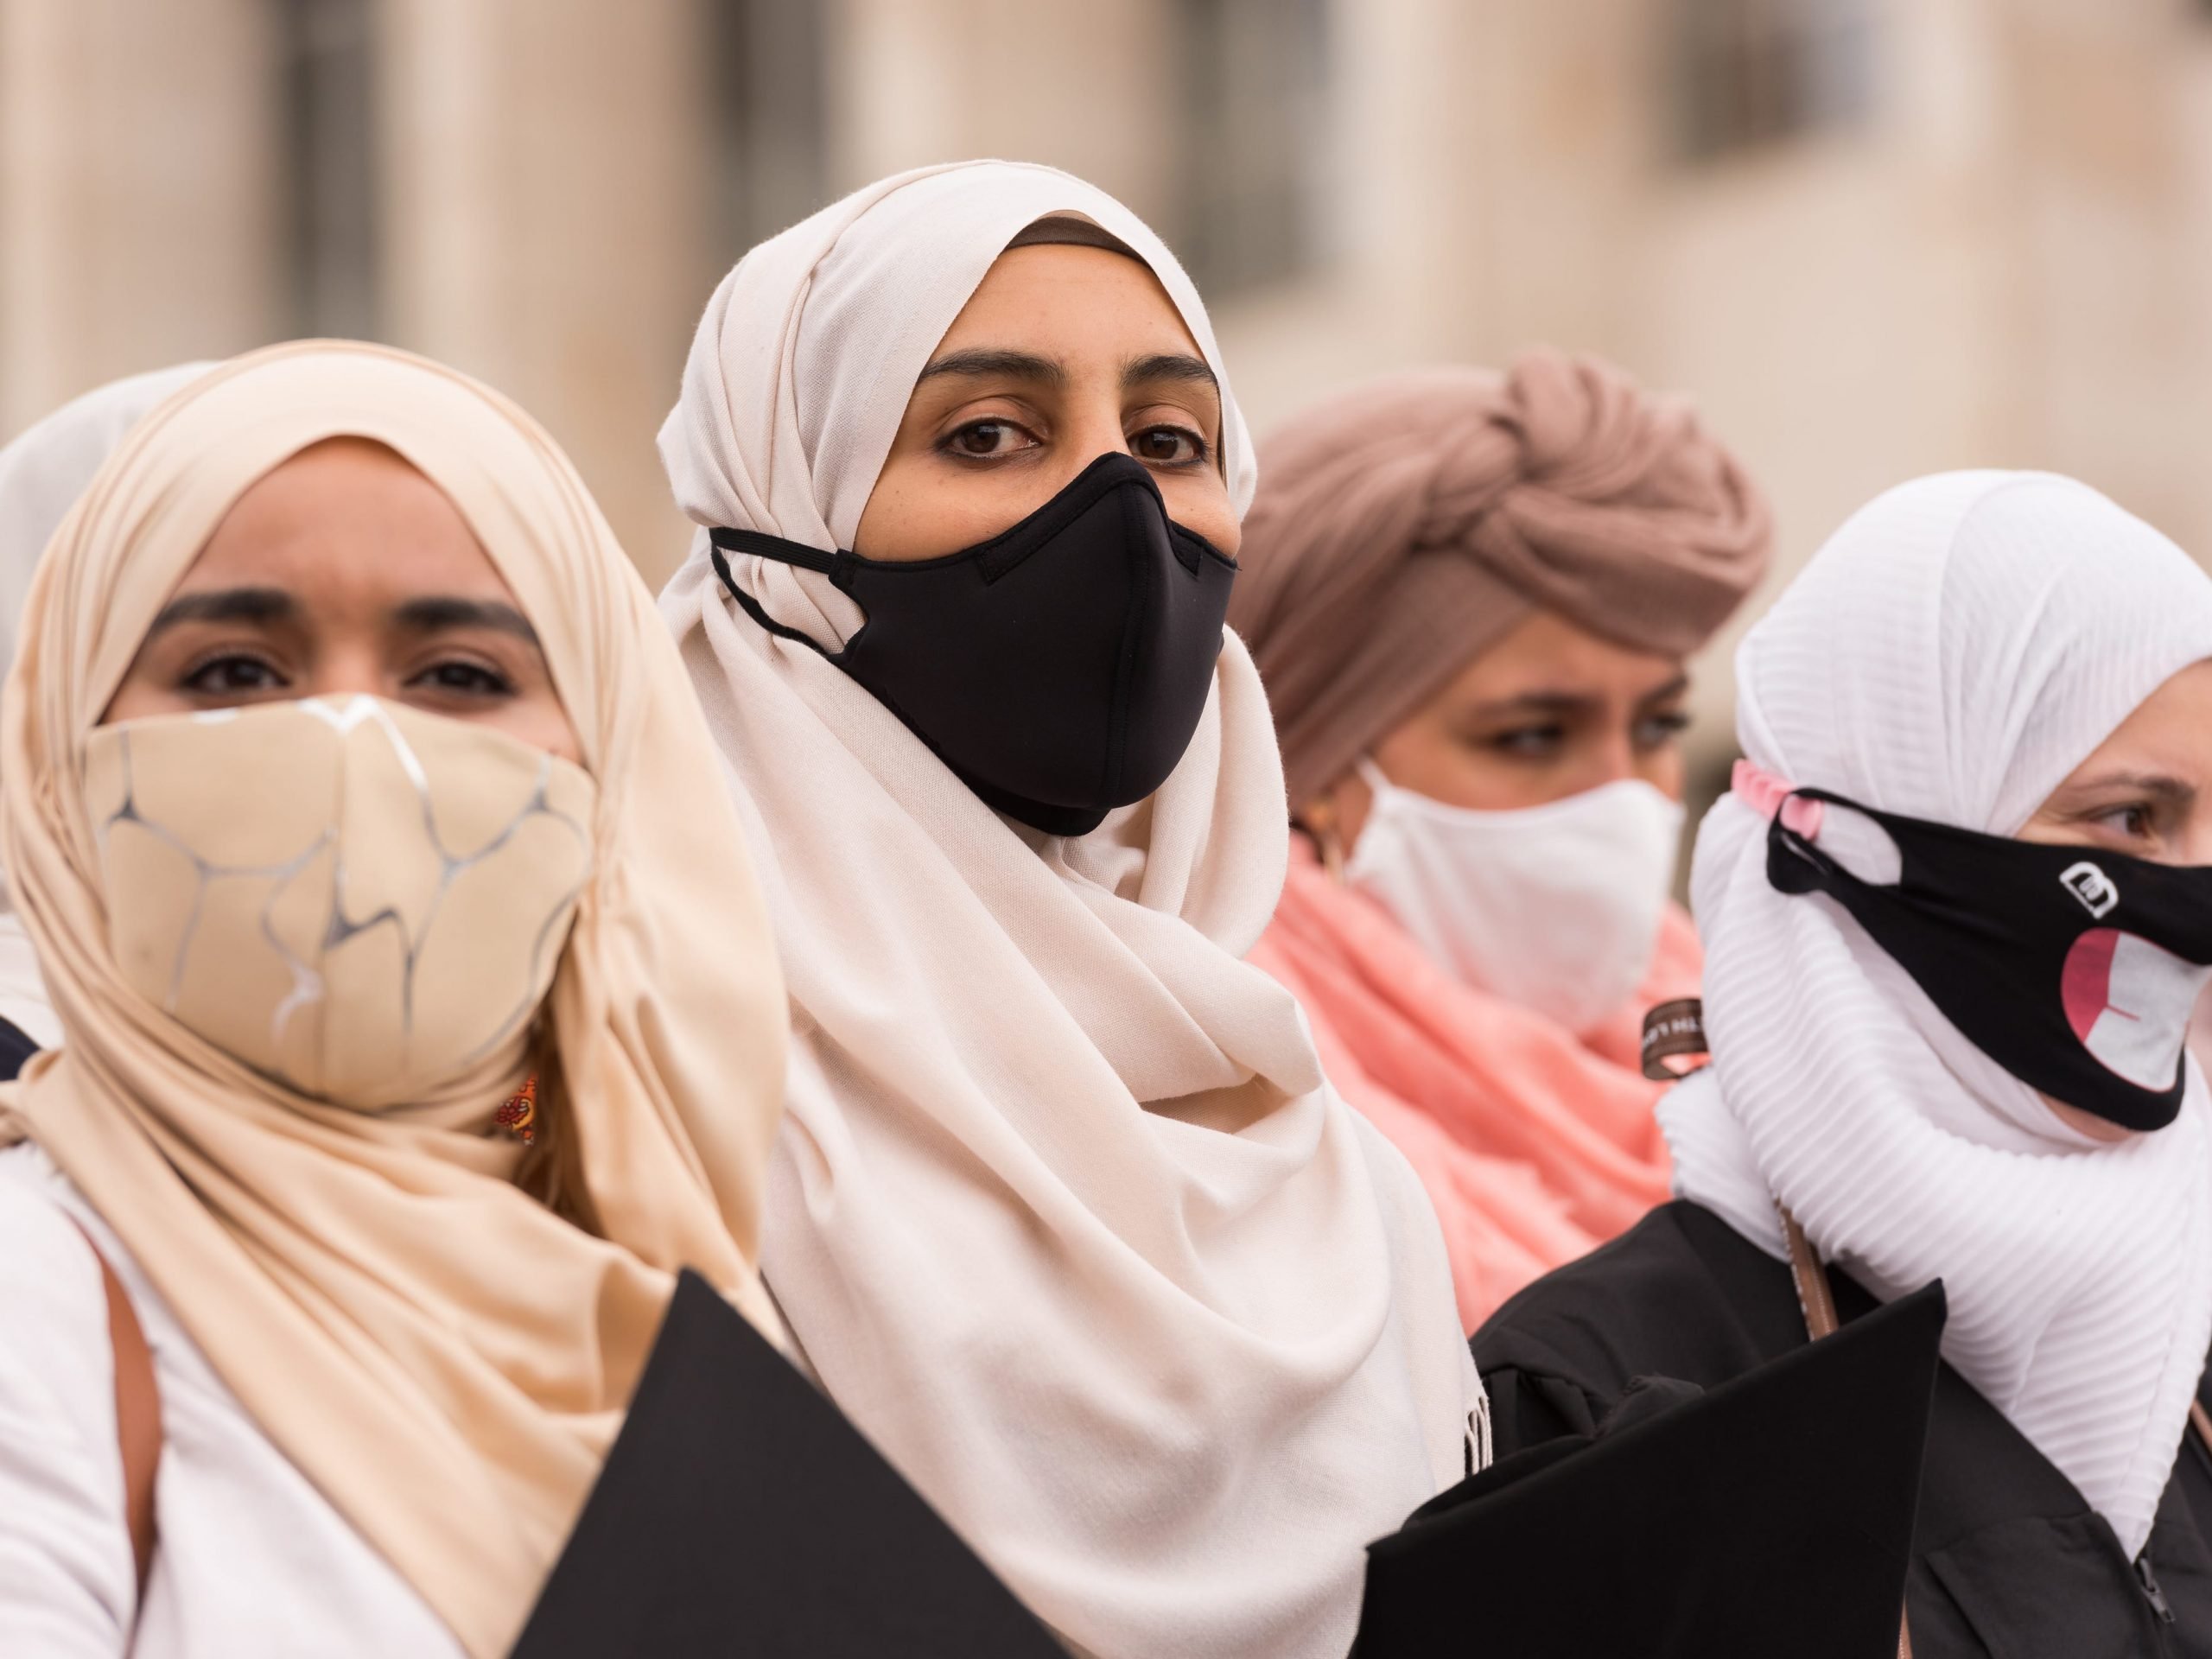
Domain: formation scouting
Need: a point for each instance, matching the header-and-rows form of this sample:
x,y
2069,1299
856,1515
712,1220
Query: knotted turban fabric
x,y
1404,528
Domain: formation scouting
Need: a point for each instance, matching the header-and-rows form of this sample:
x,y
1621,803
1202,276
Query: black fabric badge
x,y
1772,1515
2073,968
740,1513
1059,668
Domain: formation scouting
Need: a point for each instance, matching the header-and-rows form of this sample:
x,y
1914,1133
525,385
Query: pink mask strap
x,y
1765,794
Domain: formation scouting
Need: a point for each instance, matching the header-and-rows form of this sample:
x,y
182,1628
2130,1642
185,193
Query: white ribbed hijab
x,y
42,472
1169,1380
1952,653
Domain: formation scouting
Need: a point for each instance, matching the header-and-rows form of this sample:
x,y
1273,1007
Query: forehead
x,y
1071,302
1547,652
345,519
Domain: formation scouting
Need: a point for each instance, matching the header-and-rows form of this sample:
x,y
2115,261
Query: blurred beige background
x,y
1873,238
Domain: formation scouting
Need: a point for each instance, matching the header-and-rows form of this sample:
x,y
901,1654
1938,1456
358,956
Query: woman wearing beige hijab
x,y
419,1020
1064,1216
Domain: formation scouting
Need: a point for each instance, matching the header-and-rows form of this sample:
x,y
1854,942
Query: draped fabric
x,y
1952,653
1536,1146
1063,1215
445,1358
1407,526
42,472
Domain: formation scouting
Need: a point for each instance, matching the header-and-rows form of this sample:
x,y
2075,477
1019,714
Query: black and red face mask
x,y
2075,970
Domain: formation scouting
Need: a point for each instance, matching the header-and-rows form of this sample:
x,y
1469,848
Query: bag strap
x,y
1817,1297
137,1412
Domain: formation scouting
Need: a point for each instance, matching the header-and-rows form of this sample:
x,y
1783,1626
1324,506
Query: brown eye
x,y
1168,446
233,676
987,441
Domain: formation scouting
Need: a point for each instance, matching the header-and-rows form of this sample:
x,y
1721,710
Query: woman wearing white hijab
x,y
42,472
1065,1218
1945,998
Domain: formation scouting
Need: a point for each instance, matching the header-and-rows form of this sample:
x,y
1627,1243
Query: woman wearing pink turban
x,y
1470,597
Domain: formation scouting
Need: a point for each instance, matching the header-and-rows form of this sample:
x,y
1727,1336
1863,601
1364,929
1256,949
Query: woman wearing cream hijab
x,y
350,787
1065,1216
42,474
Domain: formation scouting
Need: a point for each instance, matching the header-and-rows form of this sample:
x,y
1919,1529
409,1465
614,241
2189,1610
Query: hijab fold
x,y
1063,1215
446,1358
1952,653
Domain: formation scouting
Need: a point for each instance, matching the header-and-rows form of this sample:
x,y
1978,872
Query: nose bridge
x,y
1613,758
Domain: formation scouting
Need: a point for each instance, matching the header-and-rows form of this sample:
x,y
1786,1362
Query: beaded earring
x,y
520,1111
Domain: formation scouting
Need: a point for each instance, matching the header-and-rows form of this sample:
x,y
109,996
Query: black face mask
x,y
2074,970
1058,669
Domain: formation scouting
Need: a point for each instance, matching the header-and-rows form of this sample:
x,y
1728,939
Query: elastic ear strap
x,y
751,606
775,548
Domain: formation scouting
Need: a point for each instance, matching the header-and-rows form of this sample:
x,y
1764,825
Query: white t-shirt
x,y
252,1559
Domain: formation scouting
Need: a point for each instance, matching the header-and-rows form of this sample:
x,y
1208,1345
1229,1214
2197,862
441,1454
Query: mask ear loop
x,y
1674,1031
1319,817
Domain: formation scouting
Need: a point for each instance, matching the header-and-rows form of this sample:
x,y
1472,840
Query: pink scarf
x,y
1536,1146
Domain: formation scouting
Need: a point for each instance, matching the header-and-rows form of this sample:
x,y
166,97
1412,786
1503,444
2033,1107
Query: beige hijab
x,y
1063,1215
444,1357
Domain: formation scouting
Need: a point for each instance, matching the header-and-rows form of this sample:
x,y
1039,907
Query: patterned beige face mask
x,y
364,902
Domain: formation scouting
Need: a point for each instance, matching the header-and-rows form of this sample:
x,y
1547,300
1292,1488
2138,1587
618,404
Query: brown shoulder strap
x,y
138,1414
1817,1298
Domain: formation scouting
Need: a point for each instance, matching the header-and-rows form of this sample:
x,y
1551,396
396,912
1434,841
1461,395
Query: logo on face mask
x,y
2092,887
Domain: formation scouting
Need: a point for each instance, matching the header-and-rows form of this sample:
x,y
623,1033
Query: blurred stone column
x,y
1065,82
547,220
139,152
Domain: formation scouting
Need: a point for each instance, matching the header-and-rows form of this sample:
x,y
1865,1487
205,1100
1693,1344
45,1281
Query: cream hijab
x,y
1169,1379
444,1357
1952,653
42,474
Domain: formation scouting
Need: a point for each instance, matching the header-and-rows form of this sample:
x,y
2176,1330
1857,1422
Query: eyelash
x,y
2140,819
1531,741
1201,451
482,679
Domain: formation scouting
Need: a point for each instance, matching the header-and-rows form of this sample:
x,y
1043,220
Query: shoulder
x,y
65,1553
56,1364
50,1289
1678,1295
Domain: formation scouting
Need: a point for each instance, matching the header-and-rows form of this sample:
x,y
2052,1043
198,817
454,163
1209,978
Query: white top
x,y
252,1560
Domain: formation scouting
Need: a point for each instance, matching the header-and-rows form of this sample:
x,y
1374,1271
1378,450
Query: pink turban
x,y
1404,528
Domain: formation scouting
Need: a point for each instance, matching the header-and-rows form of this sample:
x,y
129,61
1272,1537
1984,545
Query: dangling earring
x,y
1319,820
520,1111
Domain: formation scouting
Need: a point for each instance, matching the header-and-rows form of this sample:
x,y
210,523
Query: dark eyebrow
x,y
438,612
1167,366
2156,785
225,604
1667,693
1534,702
1016,365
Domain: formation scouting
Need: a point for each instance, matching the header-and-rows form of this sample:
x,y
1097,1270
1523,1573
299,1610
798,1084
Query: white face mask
x,y
1555,907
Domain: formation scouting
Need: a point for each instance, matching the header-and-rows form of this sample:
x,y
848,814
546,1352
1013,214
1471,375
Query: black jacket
x,y
2009,1561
